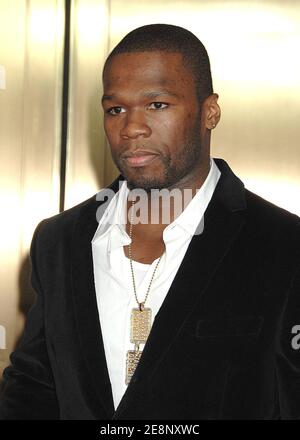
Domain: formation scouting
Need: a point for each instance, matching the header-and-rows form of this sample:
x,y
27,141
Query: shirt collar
x,y
191,218
114,217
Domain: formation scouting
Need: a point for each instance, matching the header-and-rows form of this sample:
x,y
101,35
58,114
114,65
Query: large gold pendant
x,y
139,331
140,325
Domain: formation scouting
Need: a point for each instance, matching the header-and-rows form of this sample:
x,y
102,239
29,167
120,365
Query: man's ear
x,y
211,111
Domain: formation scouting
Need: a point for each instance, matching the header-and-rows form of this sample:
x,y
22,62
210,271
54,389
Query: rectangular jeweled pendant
x,y
140,325
132,359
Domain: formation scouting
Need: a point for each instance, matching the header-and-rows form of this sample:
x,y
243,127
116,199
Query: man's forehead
x,y
148,83
160,69
144,55
148,94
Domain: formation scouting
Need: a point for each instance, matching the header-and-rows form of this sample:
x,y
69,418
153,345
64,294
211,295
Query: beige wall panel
x,y
11,119
29,146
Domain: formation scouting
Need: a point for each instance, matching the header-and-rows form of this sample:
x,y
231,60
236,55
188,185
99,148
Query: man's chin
x,y
145,184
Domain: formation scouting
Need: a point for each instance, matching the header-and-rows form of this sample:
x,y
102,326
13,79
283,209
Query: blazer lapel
x,y
86,309
223,221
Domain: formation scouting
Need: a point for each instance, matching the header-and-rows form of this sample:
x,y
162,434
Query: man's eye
x,y
158,105
115,110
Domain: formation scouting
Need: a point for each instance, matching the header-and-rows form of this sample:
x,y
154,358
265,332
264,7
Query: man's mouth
x,y
139,158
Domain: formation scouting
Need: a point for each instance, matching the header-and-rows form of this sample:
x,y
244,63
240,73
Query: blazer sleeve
x,y
288,354
28,388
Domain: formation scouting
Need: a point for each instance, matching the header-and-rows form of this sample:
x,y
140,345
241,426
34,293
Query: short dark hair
x,y
170,38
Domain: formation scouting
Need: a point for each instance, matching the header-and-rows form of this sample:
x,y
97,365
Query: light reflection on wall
x,y
85,151
90,16
42,25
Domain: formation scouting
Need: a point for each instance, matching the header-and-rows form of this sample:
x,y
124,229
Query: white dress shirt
x,y
112,274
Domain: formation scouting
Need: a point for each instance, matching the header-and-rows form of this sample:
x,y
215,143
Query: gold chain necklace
x,y
140,323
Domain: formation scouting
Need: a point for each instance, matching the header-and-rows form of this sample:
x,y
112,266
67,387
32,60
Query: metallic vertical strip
x,y
65,103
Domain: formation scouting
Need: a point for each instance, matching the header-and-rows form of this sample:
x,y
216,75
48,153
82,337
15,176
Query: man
x,y
196,317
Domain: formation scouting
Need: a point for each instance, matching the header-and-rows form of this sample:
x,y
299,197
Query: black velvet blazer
x,y
225,343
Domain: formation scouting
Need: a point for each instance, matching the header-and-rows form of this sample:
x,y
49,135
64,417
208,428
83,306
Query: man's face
x,y
152,119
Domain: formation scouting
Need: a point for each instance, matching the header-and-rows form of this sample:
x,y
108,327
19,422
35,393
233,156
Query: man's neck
x,y
158,208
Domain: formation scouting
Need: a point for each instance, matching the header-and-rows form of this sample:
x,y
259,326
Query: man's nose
x,y
135,126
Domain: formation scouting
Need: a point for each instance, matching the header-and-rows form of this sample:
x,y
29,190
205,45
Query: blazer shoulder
x,y
273,236
69,216
53,231
273,230
271,215
61,225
